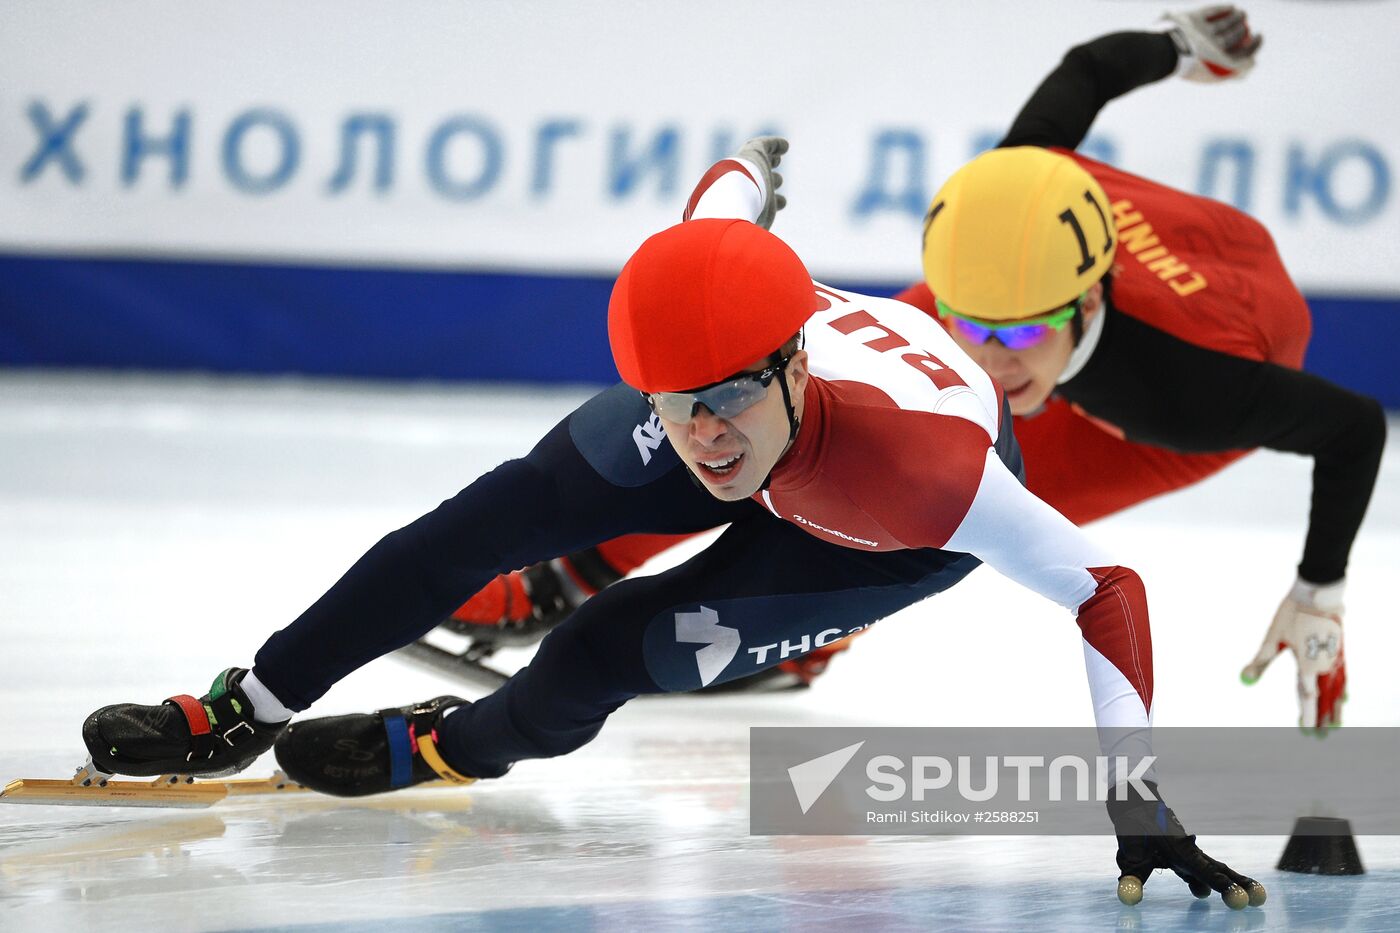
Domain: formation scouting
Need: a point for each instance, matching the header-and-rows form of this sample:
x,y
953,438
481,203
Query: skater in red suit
x,y
1178,358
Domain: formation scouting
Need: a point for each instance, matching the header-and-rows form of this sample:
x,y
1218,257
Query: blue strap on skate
x,y
400,751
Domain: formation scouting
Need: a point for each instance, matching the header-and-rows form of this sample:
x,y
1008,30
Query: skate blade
x,y
442,661
167,791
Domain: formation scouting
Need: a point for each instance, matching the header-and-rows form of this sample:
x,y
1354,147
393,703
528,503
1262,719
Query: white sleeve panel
x,y
731,194
1025,539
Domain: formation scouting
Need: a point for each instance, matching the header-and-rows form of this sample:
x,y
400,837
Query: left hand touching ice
x,y
1309,624
1151,837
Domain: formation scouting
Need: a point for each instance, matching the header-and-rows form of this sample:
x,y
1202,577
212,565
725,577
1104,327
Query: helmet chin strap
x,y
794,423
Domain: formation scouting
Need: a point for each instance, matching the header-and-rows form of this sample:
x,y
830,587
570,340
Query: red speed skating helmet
x,y
703,300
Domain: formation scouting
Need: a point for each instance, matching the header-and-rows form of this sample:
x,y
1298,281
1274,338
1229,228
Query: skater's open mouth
x,y
720,467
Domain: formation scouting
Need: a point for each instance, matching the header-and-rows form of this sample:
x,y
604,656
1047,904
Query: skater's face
x,y
732,456
1029,375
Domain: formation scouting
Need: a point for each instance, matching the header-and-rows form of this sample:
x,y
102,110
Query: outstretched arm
x,y
1034,545
1214,43
1065,105
744,186
1212,401
1028,541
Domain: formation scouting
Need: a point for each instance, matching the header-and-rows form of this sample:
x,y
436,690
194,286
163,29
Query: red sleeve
x,y
1114,623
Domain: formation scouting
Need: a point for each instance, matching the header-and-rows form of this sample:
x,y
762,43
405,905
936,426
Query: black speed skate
x,y
369,753
213,736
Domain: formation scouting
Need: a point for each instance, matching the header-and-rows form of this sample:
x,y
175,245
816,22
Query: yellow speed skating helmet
x,y
1017,233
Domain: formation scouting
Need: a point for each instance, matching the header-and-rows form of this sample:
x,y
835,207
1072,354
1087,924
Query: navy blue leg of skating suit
x,y
605,471
765,591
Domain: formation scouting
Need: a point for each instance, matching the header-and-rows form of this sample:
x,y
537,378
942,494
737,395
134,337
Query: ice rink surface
x,y
154,531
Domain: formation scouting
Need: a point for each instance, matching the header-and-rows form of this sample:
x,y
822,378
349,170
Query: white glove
x,y
1309,623
764,153
1214,43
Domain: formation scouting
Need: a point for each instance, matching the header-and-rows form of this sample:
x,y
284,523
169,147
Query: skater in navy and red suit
x,y
862,460
1181,355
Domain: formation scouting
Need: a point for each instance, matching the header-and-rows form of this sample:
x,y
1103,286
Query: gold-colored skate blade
x,y
166,791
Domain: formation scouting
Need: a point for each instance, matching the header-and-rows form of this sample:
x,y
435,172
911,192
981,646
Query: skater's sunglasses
x,y
1014,335
724,399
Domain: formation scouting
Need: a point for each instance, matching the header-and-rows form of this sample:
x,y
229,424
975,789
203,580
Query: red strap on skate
x,y
194,712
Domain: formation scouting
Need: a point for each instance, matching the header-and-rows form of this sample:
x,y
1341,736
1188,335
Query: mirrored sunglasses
x,y
1014,335
723,399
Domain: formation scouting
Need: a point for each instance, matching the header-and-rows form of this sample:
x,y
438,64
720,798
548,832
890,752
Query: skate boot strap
x,y
416,737
221,717
427,749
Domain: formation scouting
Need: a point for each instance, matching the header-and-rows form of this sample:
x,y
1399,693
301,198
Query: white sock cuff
x,y
266,706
